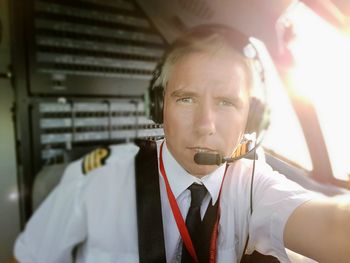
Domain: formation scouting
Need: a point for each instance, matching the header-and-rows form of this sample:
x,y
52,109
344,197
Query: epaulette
x,y
243,149
95,159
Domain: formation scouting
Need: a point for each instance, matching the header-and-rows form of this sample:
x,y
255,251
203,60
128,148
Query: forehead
x,y
220,69
216,46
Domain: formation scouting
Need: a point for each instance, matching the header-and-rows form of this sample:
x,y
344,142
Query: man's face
x,y
206,105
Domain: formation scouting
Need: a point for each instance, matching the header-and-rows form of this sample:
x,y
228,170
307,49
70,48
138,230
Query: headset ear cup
x,y
155,96
257,116
156,104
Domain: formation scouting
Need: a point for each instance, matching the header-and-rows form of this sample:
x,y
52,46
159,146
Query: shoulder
x,y
244,172
245,167
108,156
261,169
100,160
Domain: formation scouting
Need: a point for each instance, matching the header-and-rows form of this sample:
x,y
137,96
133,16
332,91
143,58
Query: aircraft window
x,y
284,136
321,75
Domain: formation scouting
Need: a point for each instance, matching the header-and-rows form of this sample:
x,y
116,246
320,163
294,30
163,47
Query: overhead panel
x,y
65,128
92,48
254,18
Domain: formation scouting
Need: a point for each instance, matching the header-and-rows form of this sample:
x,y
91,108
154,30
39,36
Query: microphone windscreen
x,y
208,158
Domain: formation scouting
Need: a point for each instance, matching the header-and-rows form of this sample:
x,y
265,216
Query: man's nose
x,y
205,120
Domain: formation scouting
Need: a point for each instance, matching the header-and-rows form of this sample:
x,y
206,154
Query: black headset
x,y
259,111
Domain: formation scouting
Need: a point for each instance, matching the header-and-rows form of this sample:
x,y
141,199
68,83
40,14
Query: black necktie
x,y
193,220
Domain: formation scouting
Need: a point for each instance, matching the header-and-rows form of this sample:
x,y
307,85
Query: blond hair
x,y
213,40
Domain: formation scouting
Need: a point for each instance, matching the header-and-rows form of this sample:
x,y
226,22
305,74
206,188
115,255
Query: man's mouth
x,y
202,149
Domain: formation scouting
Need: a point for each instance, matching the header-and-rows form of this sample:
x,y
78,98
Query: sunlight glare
x,y
322,75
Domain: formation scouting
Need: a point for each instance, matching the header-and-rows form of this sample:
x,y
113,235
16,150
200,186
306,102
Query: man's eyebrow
x,y
182,93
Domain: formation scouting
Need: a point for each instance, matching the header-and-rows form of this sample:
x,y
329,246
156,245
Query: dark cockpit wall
x,y
9,205
79,71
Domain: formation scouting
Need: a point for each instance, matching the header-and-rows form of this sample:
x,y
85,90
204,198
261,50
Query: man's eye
x,y
226,103
185,100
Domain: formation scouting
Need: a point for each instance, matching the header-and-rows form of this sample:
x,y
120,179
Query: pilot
x,y
153,202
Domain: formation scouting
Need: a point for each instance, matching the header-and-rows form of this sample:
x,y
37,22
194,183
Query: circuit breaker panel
x,y
81,69
92,47
68,126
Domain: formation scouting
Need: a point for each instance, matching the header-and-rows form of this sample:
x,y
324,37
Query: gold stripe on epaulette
x,y
241,149
95,159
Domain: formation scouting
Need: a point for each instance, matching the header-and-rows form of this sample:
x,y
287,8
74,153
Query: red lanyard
x,y
181,225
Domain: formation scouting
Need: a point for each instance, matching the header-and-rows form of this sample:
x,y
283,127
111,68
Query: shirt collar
x,y
179,179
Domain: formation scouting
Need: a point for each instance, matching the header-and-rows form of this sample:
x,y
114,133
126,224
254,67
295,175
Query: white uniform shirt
x,y
98,211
